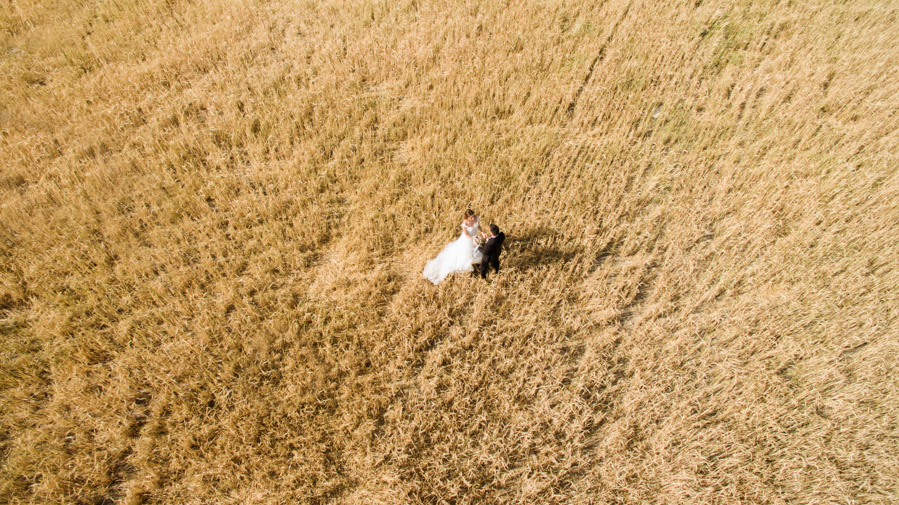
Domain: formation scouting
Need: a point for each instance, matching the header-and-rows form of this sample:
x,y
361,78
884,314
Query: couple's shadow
x,y
527,249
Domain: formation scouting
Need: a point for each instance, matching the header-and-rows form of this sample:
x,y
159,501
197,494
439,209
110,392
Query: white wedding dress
x,y
457,256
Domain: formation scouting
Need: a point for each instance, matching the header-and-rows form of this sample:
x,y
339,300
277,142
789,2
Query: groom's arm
x,y
488,247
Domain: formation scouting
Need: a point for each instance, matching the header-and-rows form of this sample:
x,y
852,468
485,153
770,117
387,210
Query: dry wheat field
x,y
214,218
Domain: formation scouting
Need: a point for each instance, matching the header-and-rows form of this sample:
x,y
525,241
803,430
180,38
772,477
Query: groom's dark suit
x,y
491,250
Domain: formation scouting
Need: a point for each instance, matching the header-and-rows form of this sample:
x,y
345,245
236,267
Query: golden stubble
x,y
214,217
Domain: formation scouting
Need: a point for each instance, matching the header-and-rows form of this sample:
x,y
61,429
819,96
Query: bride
x,y
458,255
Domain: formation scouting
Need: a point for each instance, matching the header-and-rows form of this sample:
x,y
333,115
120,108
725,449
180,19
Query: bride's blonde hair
x,y
469,213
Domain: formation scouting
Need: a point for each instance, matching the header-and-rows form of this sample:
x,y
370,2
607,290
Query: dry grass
x,y
214,217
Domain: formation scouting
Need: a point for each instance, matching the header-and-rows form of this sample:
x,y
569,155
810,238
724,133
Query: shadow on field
x,y
524,251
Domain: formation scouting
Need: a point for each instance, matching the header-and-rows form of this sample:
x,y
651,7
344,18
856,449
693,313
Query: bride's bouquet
x,y
479,240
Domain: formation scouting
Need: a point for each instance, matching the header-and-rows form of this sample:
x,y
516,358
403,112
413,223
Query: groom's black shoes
x,y
491,250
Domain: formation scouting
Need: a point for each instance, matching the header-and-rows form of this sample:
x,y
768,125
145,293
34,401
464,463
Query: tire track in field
x,y
597,59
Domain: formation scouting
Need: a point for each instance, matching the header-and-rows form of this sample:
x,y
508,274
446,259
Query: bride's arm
x,y
477,223
464,231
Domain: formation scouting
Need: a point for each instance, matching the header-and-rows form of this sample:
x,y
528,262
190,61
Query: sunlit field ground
x,y
214,217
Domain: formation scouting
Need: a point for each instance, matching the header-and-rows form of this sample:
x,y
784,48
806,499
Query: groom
x,y
491,249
